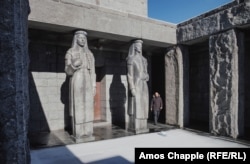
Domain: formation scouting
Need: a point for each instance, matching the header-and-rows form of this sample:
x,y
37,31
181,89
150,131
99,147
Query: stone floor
x,y
102,131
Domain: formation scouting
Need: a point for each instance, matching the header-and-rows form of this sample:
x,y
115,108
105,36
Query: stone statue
x,y
138,98
80,66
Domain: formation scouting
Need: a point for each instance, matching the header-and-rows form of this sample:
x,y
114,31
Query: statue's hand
x,y
133,92
77,63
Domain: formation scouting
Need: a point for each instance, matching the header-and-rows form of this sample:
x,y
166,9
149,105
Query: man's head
x,y
157,94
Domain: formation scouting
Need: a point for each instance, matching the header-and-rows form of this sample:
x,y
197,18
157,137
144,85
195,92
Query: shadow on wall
x,y
49,88
117,101
38,121
65,101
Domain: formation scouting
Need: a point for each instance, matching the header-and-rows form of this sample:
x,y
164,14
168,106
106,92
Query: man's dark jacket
x,y
156,103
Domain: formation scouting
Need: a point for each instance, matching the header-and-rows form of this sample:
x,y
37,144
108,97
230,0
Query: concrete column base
x,y
138,126
83,132
83,139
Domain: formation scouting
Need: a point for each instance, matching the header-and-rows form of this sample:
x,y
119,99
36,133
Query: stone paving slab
x,y
121,150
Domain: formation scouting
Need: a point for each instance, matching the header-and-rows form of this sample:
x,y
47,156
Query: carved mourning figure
x,y
80,66
137,76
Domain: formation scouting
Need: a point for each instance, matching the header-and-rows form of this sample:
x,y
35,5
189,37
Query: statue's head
x,y
138,45
80,39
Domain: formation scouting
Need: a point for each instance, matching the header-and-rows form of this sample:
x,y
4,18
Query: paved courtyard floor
x,y
116,146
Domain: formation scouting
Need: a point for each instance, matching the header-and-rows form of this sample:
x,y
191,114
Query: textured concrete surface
x,y
226,17
138,7
62,16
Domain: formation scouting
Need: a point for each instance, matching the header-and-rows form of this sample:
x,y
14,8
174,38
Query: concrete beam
x,y
68,15
224,18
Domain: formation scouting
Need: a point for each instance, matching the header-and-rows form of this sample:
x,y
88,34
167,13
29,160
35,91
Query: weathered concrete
x,y
230,16
226,89
65,16
14,95
138,7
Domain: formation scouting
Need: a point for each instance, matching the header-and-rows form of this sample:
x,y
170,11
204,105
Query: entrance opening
x,y
247,86
97,98
158,81
199,86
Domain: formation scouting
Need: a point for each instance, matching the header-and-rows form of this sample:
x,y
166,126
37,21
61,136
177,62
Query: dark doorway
x,y
199,86
247,86
158,81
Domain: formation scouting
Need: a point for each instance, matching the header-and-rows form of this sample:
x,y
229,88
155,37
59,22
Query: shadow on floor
x,y
101,132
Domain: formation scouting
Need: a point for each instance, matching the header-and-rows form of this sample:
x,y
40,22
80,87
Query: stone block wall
x,y
48,88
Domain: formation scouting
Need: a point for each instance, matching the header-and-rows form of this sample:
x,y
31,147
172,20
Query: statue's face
x,y
138,47
81,40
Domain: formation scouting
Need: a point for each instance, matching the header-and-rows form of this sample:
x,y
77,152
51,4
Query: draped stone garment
x,y
137,78
82,85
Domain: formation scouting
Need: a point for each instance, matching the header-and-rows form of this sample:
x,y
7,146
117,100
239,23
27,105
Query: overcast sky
x,y
177,11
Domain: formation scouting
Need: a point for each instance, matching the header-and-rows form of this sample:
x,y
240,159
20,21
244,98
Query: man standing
x,y
156,106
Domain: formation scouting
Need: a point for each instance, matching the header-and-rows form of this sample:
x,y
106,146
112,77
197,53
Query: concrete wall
x,y
137,7
48,87
224,18
66,16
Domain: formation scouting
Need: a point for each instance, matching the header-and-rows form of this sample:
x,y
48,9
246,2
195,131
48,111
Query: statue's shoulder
x,y
69,53
70,50
131,59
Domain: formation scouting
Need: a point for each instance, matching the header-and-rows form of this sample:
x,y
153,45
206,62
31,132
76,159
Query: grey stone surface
x,y
80,66
137,7
177,85
226,17
226,83
137,76
171,86
109,24
14,96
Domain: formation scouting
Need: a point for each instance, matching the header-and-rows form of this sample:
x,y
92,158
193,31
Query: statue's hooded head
x,y
135,46
80,39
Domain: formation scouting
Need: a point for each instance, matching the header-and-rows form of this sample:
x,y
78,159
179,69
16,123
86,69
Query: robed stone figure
x,y
138,100
80,66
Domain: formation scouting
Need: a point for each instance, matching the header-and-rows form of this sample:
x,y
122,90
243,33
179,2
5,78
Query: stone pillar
x,y
226,84
14,95
176,84
171,86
